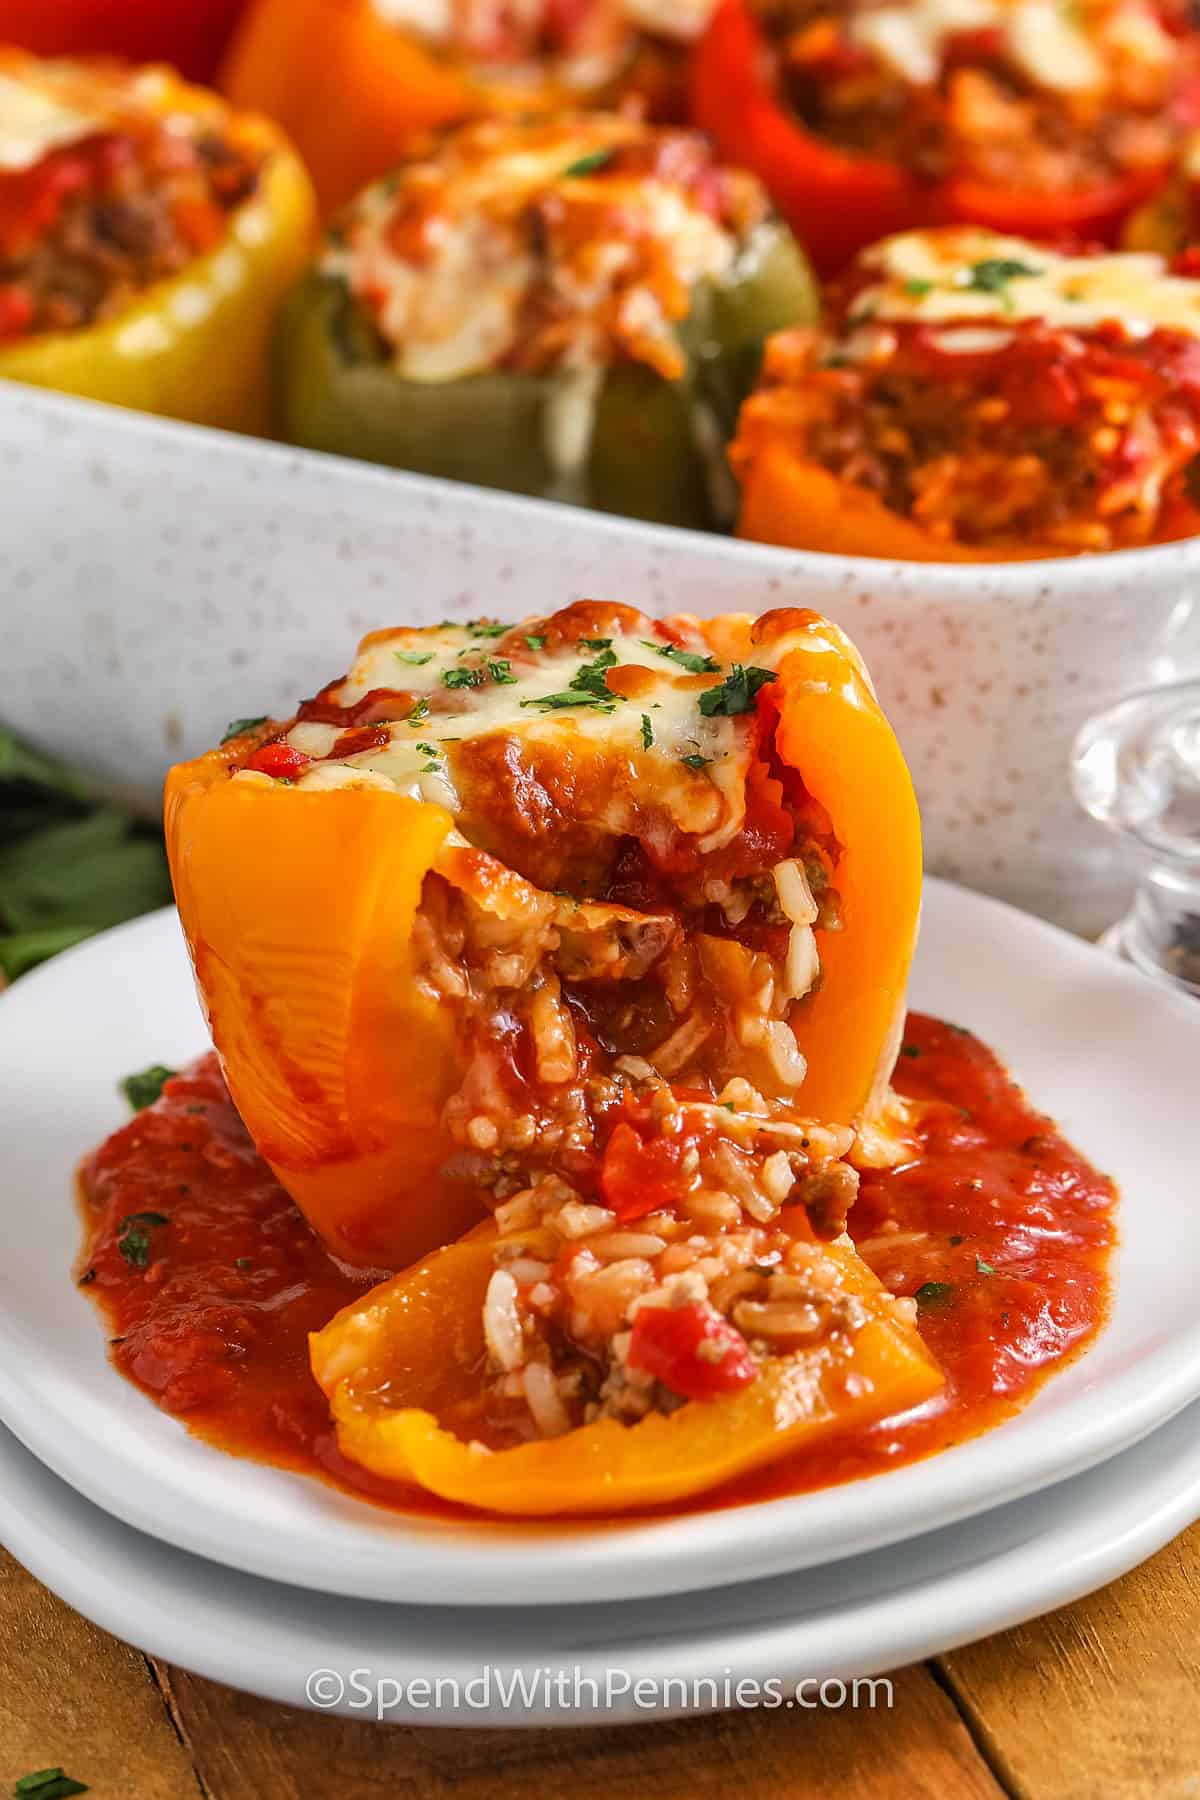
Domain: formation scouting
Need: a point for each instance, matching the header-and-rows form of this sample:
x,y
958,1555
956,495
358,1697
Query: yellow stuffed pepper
x,y
427,913
147,236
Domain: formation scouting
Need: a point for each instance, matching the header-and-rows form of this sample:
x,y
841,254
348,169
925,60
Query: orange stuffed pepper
x,y
432,913
978,398
357,82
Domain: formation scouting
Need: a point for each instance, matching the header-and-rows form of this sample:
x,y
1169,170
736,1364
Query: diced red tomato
x,y
691,1349
639,1177
279,761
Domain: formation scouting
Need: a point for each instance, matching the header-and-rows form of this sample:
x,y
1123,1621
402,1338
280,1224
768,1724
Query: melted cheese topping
x,y
696,764
456,308
44,111
956,276
1057,46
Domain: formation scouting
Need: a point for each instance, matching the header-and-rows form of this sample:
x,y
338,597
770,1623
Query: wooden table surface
x,y
1095,1702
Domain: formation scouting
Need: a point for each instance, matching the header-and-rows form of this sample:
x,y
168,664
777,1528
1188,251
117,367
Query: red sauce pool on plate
x,y
1000,1227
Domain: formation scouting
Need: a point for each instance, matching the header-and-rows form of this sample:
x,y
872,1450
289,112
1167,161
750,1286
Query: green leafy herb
x,y
696,762
417,658
500,670
983,1268
557,702
910,1049
236,727
428,749
536,641
242,1262
420,711
589,678
595,643
918,288
143,1088
590,164
487,628
993,274
647,731
957,1238
737,692
463,678
687,659
935,1293
134,1239
48,1784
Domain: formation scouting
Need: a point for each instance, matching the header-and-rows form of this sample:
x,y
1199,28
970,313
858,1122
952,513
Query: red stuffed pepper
x,y
1022,115
977,398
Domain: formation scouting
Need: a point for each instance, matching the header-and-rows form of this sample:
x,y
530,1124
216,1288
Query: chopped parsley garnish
x,y
687,659
134,1239
647,731
557,702
428,749
736,693
591,164
935,1293
918,288
536,642
595,643
418,658
957,1238
589,678
500,670
910,1049
143,1089
236,727
463,678
993,274
420,711
242,1262
983,1268
48,1784
486,628
696,762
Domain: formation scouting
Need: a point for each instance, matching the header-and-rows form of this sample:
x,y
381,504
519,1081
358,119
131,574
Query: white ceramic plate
x,y
1111,1055
848,1620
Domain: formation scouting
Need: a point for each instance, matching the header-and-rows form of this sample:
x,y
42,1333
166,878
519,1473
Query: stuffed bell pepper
x,y
570,308
441,916
147,237
977,398
358,82
1033,118
599,926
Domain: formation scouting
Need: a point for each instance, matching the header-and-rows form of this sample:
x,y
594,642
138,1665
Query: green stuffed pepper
x,y
572,308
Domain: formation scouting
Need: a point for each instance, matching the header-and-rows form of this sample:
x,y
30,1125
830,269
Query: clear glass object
x,y
1136,769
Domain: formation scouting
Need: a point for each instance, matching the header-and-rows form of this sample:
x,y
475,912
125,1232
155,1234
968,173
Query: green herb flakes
x,y
463,678
935,1293
417,658
591,164
647,732
143,1088
737,693
236,727
687,659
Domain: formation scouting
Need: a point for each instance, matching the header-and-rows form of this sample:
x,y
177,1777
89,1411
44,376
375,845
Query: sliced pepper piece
x,y
194,347
190,37
837,202
337,391
401,1369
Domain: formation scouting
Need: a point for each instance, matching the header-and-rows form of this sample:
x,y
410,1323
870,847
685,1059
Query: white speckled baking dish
x,y
158,580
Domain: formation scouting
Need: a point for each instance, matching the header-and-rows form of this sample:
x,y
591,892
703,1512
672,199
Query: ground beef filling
x,y
1077,443
99,223
983,118
617,1306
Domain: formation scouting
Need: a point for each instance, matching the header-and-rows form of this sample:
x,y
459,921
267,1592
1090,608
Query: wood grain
x,y
73,1696
919,1750
1097,1701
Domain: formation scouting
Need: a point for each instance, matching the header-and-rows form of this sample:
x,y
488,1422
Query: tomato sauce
x,y
209,1280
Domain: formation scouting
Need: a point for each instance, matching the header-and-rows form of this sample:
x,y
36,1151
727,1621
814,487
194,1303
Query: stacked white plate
x,y
288,1588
